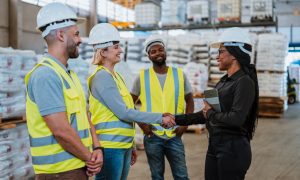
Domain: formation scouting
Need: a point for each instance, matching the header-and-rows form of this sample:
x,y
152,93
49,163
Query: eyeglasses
x,y
220,51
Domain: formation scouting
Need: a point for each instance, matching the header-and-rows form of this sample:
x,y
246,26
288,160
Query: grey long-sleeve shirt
x,y
105,90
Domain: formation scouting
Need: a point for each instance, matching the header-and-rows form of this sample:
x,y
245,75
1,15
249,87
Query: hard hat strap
x,y
57,25
103,45
238,44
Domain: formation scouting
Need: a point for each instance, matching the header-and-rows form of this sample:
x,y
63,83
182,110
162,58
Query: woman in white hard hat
x,y
230,131
112,107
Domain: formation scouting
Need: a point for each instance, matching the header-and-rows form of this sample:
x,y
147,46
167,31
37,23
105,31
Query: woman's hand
x,y
206,108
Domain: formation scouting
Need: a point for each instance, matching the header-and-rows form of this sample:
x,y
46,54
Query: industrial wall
x,y
4,23
30,38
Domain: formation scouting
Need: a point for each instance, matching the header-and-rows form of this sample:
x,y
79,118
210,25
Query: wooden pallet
x,y
8,123
270,115
271,107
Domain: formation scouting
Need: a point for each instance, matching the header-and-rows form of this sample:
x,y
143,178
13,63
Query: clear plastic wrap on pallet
x,y
197,75
148,14
198,12
261,10
173,12
229,10
271,52
272,84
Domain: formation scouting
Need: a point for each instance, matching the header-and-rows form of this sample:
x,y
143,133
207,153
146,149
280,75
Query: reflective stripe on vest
x,y
177,93
47,155
112,132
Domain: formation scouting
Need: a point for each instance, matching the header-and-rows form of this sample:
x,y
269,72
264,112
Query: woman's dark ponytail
x,y
244,61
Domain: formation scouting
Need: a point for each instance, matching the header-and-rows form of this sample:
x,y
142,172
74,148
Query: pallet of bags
x,y
81,68
272,50
135,49
197,75
14,65
15,158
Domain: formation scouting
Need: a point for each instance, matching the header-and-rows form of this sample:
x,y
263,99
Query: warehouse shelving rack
x,y
204,26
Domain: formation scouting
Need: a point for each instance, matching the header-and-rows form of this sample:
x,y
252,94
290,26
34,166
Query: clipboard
x,y
212,97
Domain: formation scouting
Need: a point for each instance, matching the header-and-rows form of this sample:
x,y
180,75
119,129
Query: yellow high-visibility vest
x,y
48,156
111,131
169,99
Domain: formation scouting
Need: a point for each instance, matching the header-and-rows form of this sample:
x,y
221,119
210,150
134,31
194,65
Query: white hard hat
x,y
56,15
153,40
102,35
233,37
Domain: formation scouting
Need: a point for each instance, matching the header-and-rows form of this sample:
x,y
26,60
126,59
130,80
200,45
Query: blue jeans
x,y
116,164
157,148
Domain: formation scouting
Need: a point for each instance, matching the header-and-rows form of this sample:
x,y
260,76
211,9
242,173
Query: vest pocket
x,y
72,101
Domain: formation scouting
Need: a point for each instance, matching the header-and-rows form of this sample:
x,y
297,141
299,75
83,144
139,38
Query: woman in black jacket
x,y
230,131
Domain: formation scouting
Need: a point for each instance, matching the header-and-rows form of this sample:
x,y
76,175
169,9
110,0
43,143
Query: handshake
x,y
168,120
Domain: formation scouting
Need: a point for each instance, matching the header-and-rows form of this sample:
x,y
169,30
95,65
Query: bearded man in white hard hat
x,y
61,135
163,89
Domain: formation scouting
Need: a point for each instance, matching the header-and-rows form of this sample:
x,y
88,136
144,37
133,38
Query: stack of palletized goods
x,y
229,11
85,50
271,52
261,10
173,12
197,75
294,71
254,40
81,68
214,73
272,76
14,64
134,49
15,158
198,12
200,54
178,51
147,14
136,57
197,48
124,69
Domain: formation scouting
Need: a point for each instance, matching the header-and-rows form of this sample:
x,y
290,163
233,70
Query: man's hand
x,y
168,120
180,130
206,108
94,165
146,129
133,156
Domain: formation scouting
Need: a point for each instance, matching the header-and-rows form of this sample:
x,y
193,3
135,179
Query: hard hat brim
x,y
79,20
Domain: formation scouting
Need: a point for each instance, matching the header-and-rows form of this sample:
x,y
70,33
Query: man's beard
x,y
160,63
72,50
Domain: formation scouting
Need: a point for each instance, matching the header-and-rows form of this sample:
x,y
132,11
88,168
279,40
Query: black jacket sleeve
x,y
189,119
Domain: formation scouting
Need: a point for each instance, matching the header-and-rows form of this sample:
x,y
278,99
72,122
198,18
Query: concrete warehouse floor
x,y
275,150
